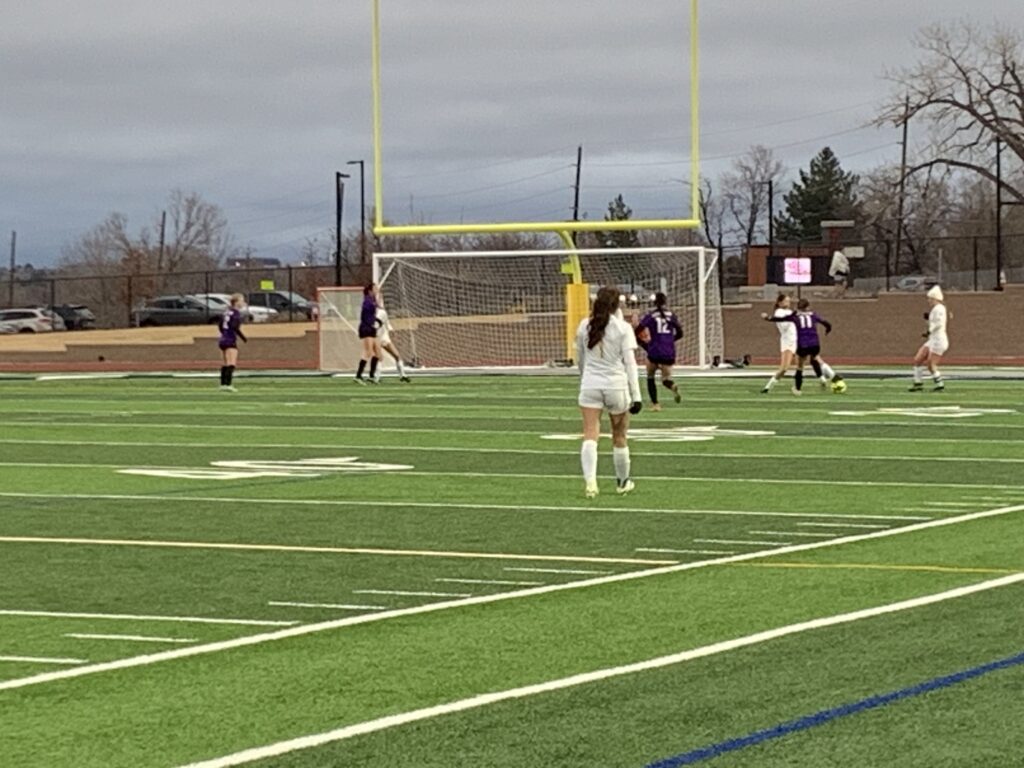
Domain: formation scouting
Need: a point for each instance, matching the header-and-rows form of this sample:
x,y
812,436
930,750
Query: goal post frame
x,y
381,228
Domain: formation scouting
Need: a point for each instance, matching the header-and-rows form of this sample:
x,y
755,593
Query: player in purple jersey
x,y
808,344
658,332
368,333
230,333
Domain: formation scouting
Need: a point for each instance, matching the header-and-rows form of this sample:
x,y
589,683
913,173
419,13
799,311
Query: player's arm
x,y
581,348
236,326
677,329
632,373
773,319
825,324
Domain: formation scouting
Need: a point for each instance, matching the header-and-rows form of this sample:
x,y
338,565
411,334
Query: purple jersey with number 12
x,y
665,331
230,325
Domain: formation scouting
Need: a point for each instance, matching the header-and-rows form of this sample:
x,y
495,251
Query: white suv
x,y
28,320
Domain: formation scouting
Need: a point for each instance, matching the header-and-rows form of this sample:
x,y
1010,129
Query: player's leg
x,y
934,358
591,404
666,380
785,361
801,361
620,447
393,351
652,385
228,371
920,365
364,357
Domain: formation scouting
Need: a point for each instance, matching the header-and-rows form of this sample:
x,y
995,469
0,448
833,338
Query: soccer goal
x,y
522,308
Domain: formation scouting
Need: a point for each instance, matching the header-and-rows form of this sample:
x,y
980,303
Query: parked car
x,y
77,317
251,314
286,303
915,283
183,309
8,328
30,320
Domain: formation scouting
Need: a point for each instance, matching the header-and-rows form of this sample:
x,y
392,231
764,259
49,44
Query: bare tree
x,y
746,191
712,212
199,237
968,87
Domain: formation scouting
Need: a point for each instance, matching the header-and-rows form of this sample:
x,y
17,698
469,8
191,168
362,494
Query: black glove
x,y
636,407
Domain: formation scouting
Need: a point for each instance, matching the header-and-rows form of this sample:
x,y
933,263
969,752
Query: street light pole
x,y
339,203
362,207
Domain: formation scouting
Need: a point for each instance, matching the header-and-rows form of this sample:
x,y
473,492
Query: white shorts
x,y
787,347
937,346
384,340
615,401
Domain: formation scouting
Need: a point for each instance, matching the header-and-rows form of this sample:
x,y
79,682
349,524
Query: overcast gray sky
x,y
107,105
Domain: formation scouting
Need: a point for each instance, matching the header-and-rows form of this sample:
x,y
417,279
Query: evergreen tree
x,y
618,211
824,192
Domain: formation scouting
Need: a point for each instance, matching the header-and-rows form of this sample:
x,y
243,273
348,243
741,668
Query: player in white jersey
x,y
936,343
787,340
383,342
606,354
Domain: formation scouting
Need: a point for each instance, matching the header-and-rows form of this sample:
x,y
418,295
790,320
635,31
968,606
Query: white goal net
x,y
521,308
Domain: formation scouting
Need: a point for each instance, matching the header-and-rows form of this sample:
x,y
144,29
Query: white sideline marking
x,y
685,551
845,525
134,617
338,606
951,504
401,593
495,582
794,533
556,570
307,629
446,505
41,660
743,541
328,550
484,699
132,638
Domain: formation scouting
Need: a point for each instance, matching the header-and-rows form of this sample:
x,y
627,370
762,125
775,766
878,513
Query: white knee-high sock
x,y
588,459
827,371
401,368
918,374
621,458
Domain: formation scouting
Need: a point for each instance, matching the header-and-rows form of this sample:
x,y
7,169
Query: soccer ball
x,y
838,387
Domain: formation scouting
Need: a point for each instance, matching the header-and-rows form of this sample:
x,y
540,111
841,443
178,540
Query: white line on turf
x,y
132,638
137,617
41,660
443,505
330,550
684,551
338,606
556,570
845,525
794,533
495,582
481,700
950,504
743,541
402,593
324,626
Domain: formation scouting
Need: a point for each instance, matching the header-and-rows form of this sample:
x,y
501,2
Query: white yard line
x,y
484,699
132,638
794,533
744,542
845,525
556,570
402,593
338,606
950,504
330,550
684,551
41,660
308,629
137,617
446,505
495,582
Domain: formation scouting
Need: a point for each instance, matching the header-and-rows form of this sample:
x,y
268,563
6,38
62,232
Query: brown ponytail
x,y
605,304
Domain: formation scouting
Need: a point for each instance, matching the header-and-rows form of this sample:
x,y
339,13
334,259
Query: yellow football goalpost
x,y
577,292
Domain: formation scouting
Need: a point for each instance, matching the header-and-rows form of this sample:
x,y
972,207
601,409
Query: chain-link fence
x,y
114,298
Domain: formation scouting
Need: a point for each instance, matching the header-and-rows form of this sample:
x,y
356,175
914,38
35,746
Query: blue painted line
x,y
828,715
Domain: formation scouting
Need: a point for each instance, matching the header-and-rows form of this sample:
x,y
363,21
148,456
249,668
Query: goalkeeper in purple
x,y
230,333
658,332
808,344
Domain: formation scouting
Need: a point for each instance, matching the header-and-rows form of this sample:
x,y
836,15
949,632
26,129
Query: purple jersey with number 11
x,y
665,332
806,330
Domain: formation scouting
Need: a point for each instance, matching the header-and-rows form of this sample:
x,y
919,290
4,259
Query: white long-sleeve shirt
x,y
937,324
611,364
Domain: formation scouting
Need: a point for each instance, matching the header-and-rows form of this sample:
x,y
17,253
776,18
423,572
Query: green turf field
x,y
309,573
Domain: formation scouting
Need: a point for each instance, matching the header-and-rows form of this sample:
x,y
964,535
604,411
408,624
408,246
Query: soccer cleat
x,y
623,487
360,380
591,491
939,388
675,393
796,392
655,407
824,383
917,386
765,391
227,388
405,380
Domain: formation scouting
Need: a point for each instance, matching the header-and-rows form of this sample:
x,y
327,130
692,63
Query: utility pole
x,y
576,190
771,217
362,208
999,214
14,245
339,203
163,234
903,181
